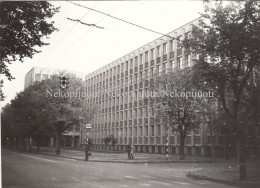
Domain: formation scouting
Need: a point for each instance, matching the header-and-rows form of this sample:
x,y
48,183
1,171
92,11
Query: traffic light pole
x,y
86,150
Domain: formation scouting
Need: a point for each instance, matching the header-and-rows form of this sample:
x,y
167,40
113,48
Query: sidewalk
x,y
228,173
108,156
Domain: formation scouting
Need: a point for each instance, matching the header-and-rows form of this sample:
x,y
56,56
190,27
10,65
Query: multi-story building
x,y
72,137
132,119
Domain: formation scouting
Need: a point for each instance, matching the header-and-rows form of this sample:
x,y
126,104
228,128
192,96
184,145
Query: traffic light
x,y
63,82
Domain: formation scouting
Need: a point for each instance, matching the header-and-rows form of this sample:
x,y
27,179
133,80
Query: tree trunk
x,y
29,143
182,141
212,153
242,156
38,142
57,143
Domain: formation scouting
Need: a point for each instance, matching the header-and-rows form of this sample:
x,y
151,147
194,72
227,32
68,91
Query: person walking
x,y
132,151
129,150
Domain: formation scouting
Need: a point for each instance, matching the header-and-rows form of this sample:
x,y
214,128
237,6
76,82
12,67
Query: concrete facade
x,y
131,119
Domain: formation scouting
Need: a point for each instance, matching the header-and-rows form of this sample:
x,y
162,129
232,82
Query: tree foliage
x,y
37,111
24,24
228,44
174,107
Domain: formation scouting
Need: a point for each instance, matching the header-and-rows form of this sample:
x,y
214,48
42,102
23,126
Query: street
x,y
33,170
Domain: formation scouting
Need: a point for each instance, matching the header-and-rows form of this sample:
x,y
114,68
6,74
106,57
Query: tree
x,y
68,109
24,24
39,111
110,140
174,109
228,45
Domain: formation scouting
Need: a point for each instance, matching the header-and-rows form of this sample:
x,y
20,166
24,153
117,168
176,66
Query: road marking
x,y
131,177
123,185
38,158
145,184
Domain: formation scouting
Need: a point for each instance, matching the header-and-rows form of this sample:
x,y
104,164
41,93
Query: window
x,y
126,114
171,46
165,48
165,67
146,131
141,94
131,63
130,114
158,51
141,59
146,74
131,79
158,130
179,63
146,112
152,54
118,69
158,69
140,112
136,61
152,73
187,60
171,65
146,56
126,65
122,67
135,113
141,131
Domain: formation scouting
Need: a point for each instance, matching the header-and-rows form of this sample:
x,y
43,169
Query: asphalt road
x,y
33,170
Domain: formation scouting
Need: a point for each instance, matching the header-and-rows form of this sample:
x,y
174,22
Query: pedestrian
x,y
129,150
132,151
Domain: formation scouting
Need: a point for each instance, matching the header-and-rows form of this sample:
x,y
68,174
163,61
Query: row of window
x,y
125,79
152,54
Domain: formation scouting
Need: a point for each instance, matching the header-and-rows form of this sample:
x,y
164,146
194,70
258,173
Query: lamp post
x,y
87,129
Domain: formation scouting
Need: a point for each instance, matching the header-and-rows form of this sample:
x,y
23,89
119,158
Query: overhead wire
x,y
70,29
125,21
84,34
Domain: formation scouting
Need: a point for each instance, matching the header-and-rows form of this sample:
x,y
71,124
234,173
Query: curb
x,y
243,184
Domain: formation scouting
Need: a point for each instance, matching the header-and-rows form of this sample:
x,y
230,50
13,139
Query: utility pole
x,y
87,153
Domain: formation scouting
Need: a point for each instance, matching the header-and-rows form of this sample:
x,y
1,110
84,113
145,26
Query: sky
x,y
80,48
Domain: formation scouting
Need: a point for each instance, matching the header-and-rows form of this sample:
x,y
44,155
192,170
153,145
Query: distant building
x,y
40,73
72,137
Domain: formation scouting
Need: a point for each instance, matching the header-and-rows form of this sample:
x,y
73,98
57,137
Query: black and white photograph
x,y
130,93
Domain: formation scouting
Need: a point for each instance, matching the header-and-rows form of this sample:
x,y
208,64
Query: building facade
x,y
131,119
